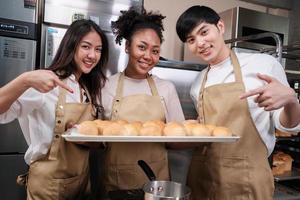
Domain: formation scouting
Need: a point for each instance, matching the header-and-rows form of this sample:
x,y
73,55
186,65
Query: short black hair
x,y
194,16
132,21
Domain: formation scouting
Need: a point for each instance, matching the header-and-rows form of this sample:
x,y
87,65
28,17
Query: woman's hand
x,y
44,81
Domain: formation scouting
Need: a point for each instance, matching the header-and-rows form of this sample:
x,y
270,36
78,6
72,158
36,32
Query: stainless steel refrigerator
x,y
17,55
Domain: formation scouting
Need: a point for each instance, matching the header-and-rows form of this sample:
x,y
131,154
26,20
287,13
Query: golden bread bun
x,y
122,122
150,131
221,131
190,121
130,129
158,123
137,124
210,128
101,124
88,128
114,129
200,130
188,125
281,163
189,128
277,169
174,129
152,128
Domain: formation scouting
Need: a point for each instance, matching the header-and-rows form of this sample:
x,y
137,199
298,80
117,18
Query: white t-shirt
x,y
251,64
36,114
166,90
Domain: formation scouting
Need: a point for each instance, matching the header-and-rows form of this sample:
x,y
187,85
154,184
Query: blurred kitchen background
x,y
31,30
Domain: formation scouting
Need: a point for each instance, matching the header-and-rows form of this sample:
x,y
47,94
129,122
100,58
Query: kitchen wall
x,y
295,25
172,47
294,38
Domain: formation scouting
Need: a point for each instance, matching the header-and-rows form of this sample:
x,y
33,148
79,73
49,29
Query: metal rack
x,y
278,48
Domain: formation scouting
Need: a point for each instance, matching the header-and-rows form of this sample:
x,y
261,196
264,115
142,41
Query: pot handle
x,y
147,170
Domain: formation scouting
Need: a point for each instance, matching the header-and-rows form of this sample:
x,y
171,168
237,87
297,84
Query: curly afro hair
x,y
131,21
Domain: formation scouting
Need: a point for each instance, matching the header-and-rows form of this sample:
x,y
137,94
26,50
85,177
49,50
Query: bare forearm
x,y
290,115
10,92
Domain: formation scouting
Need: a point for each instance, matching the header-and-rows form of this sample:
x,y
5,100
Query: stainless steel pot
x,y
162,190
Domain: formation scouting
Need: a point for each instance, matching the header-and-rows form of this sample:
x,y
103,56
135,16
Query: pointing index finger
x,y
63,85
251,93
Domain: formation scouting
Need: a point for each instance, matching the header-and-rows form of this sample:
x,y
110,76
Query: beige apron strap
x,y
152,86
94,107
119,92
59,124
238,78
236,67
200,99
59,111
118,97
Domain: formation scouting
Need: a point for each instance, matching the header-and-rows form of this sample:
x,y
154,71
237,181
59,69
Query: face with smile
x,y
143,51
206,41
88,53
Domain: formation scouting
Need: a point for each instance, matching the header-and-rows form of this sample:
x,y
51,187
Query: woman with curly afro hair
x,y
136,95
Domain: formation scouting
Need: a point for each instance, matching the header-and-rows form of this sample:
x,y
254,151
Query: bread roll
x,y
188,128
277,168
88,128
152,128
281,163
210,128
200,130
159,123
221,131
121,121
174,129
150,131
137,124
130,130
101,124
190,121
114,129
188,125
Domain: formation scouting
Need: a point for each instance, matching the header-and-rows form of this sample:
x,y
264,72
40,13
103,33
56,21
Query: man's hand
x,y
272,95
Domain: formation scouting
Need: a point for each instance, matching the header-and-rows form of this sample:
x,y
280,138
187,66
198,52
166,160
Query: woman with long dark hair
x,y
58,169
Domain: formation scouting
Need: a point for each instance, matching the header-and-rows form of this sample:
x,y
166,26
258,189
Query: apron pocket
x,y
70,188
128,178
234,179
39,187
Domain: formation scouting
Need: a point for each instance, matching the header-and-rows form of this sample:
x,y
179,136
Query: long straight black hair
x,y
64,64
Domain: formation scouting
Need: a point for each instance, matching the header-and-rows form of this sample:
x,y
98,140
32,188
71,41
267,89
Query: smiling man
x,y
247,93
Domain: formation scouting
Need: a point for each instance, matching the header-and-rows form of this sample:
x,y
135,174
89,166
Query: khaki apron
x,y
122,170
230,171
63,173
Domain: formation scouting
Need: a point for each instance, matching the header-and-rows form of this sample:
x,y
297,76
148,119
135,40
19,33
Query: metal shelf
x,y
288,148
292,138
292,175
285,193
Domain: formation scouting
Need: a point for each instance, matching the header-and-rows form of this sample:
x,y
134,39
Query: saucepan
x,y
162,190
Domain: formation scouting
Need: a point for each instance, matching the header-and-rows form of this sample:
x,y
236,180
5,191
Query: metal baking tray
x,y
73,136
294,174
